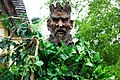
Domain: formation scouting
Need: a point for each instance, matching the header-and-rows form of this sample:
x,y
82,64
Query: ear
x,y
48,21
71,24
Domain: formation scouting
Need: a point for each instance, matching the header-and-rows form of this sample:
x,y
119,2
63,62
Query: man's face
x,y
60,23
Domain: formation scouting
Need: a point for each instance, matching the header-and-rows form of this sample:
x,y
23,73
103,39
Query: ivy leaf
x,y
55,78
7,23
37,58
15,69
39,63
99,69
97,56
64,56
3,59
89,64
64,67
58,71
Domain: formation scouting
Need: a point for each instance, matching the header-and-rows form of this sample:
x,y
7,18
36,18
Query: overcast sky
x,y
36,8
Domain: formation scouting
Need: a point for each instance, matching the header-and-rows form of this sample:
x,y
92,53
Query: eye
x,y
55,19
64,19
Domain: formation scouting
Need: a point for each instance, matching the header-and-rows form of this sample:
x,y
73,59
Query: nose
x,y
60,23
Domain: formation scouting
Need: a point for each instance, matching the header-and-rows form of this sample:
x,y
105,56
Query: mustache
x,y
63,30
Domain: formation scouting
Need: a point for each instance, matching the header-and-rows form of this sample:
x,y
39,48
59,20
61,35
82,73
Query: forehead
x,y
57,14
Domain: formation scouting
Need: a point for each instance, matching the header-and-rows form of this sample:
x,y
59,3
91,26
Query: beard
x,y
60,35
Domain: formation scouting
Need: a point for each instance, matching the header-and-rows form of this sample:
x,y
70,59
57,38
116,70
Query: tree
x,y
101,28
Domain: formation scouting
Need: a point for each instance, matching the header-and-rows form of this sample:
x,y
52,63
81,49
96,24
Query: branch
x,y
11,17
37,46
31,42
32,76
13,32
22,77
2,37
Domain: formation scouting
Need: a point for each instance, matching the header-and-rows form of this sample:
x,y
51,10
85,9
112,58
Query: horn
x,y
58,6
67,7
51,7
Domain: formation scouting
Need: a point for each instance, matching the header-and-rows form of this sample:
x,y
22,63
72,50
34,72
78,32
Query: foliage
x,y
35,20
102,24
36,24
102,28
115,69
77,62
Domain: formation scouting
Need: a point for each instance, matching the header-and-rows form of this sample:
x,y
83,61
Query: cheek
x,y
67,24
53,24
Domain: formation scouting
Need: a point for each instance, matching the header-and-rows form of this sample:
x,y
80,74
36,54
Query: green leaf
x,y
37,58
39,63
15,69
80,57
3,59
55,78
58,71
64,67
64,56
89,64
97,56
7,23
51,73
99,69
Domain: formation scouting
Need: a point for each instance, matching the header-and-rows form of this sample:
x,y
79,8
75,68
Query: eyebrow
x,y
52,16
56,17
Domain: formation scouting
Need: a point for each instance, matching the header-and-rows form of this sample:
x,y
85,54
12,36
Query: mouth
x,y
61,32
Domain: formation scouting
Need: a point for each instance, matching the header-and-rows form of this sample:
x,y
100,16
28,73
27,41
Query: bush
x,y
53,63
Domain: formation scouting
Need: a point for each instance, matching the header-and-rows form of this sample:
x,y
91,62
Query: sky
x,y
36,8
